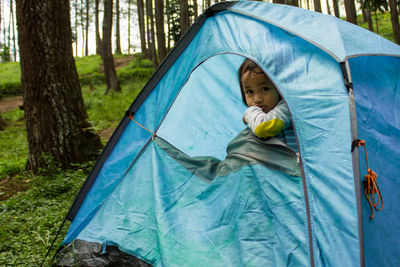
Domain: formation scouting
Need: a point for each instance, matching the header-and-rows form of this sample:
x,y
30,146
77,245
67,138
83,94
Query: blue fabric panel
x,y
116,165
208,112
340,38
377,93
163,214
312,85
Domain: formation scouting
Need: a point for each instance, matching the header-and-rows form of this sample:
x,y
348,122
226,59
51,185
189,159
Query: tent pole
x,y
355,156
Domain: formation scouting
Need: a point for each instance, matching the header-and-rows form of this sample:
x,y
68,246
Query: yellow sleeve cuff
x,y
269,128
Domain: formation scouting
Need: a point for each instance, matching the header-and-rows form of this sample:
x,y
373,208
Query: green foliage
x,y
29,221
13,144
385,25
172,10
88,65
375,5
5,54
107,110
10,79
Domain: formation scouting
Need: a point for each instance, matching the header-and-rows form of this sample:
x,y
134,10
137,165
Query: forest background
x,y
125,37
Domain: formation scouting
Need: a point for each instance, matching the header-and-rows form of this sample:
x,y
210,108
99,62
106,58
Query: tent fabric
x,y
342,41
146,202
253,216
377,94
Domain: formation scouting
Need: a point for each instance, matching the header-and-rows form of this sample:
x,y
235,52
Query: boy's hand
x,y
244,121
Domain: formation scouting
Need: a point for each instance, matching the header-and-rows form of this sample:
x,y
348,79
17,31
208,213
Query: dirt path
x,y
10,103
118,62
107,133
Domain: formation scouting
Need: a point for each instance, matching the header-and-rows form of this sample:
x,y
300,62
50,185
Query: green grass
x,y
30,219
88,65
10,79
13,144
107,110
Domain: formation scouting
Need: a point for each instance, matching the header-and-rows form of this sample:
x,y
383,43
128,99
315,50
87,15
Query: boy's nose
x,y
258,99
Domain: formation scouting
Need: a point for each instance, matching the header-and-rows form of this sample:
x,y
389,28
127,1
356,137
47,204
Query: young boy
x,y
267,115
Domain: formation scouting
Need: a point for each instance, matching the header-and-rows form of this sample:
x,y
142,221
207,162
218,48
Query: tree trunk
x,y
286,2
76,28
376,21
98,39
184,16
129,26
1,4
336,8
56,119
395,20
328,8
167,3
108,59
87,29
117,29
369,20
142,31
398,7
4,29
364,13
82,28
13,30
9,34
195,9
208,3
150,32
160,30
0,14
317,6
350,7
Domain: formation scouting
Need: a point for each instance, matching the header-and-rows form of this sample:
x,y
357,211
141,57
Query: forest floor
x,y
120,62
10,103
10,185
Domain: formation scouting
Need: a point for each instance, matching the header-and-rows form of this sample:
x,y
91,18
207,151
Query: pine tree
x,y
56,119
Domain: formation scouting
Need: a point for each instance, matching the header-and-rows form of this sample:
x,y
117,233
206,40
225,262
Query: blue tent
x,y
176,187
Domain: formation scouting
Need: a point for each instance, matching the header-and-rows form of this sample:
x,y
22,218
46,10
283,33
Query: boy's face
x,y
259,91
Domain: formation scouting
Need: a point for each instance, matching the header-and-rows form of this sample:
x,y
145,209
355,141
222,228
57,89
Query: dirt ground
x,y
9,186
119,62
10,103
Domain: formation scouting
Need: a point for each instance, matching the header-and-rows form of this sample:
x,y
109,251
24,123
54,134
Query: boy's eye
x,y
248,92
265,89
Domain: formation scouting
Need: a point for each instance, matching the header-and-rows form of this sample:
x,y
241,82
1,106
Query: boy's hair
x,y
247,66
